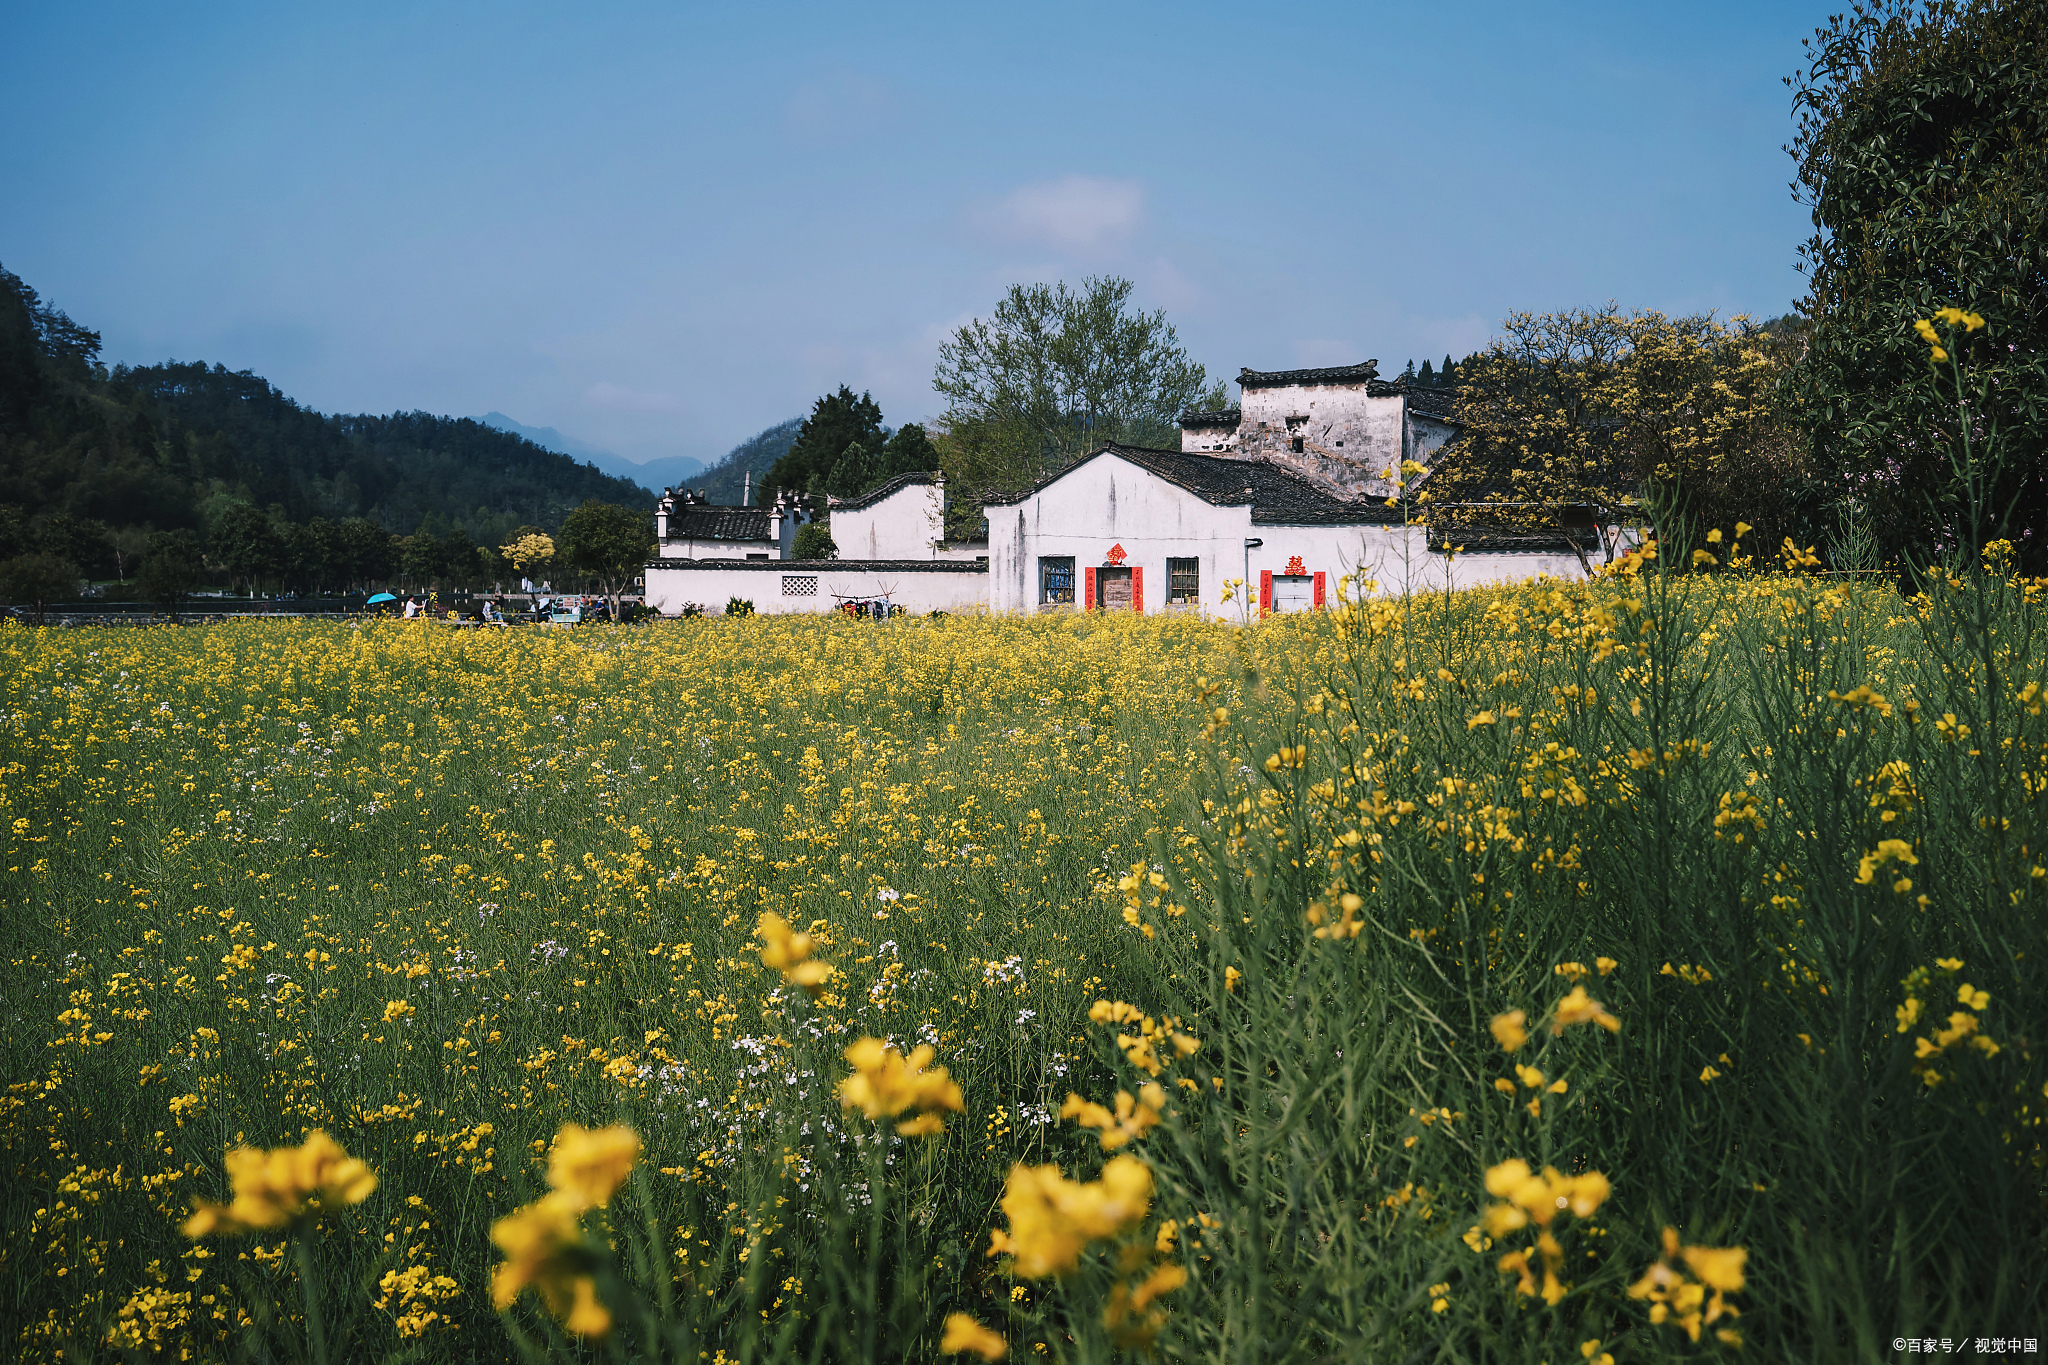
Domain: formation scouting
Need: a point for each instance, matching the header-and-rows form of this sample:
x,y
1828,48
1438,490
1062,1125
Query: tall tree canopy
x,y
1569,417
1055,373
1923,152
610,543
839,422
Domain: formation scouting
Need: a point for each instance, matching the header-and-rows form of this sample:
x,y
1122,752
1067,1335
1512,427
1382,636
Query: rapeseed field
x,y
1633,970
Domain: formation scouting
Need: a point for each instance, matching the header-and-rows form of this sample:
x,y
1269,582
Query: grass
x,y
440,892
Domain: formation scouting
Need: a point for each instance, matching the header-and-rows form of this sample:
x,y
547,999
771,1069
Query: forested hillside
x,y
756,455
172,445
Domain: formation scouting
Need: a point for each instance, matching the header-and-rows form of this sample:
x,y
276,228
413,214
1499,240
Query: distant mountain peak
x,y
653,475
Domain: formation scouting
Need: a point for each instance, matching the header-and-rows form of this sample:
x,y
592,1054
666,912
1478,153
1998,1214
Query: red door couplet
x,y
1265,592
1138,589
1320,576
1087,590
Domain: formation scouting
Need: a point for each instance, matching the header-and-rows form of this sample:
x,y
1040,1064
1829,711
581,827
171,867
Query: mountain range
x,y
132,450
652,475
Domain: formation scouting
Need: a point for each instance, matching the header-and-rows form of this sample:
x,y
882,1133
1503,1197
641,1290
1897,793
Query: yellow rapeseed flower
x,y
1130,1315
1052,1219
1130,1120
963,1334
588,1165
280,1187
1580,1008
1681,1295
885,1083
1509,1031
789,952
543,1246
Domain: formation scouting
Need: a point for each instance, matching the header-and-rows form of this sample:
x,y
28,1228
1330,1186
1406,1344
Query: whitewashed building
x,y
1286,492
1160,530
687,526
892,549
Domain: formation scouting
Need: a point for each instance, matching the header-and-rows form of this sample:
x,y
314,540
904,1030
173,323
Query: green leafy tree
x,y
1055,373
1923,153
247,545
817,461
611,544
461,564
79,540
38,579
420,560
813,541
365,552
909,451
314,551
171,568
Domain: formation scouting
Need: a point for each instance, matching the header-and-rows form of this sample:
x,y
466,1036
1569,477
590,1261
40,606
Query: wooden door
x,y
1113,587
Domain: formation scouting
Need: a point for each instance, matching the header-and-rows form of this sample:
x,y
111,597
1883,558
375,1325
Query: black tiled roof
x,y
1336,374
883,490
1278,497
1219,417
719,523
1437,403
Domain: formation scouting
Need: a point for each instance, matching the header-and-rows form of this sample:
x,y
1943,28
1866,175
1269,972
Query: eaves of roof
x,y
1277,496
882,490
1336,374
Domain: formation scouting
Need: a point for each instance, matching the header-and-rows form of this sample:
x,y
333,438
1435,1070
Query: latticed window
x,y
1183,580
1056,578
799,585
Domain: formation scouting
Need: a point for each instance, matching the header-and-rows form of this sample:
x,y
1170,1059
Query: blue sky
x,y
662,228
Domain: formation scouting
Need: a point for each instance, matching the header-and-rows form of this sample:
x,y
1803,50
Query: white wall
x,y
905,525
688,548
917,588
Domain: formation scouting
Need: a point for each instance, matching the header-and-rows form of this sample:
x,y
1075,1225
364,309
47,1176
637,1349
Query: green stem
x,y
310,1287
874,1266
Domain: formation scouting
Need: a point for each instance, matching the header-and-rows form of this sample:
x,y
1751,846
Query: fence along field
x,y
1647,969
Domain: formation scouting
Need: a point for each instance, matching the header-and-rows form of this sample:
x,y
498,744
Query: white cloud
x,y
1078,211
618,398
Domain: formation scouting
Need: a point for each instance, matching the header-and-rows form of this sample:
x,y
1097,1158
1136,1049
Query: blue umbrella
x,y
382,597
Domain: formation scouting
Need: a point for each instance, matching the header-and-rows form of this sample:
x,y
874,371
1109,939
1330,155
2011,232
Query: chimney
x,y
747,489
774,523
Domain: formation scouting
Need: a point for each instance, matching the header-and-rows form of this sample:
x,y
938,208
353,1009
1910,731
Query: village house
x,y
1276,498
891,543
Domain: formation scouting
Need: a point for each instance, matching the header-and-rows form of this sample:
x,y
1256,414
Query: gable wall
x,y
905,525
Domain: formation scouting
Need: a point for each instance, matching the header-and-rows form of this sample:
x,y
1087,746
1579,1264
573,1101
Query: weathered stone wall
x,y
1342,436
